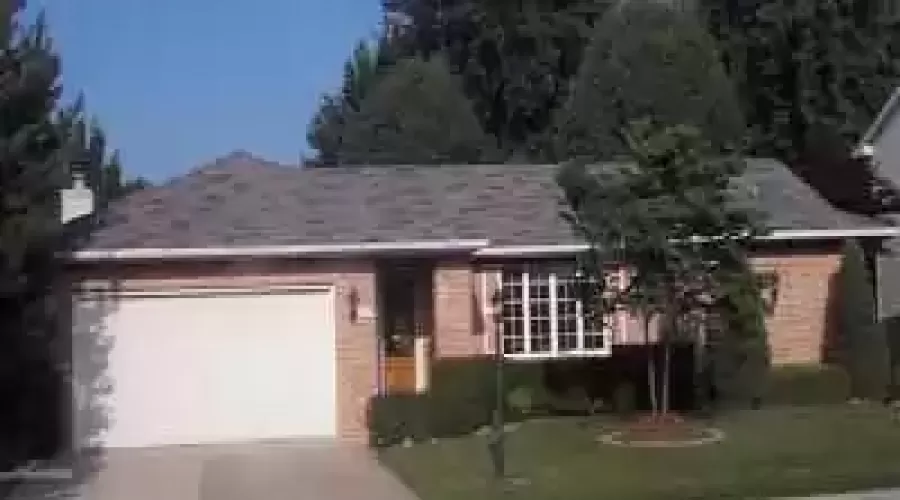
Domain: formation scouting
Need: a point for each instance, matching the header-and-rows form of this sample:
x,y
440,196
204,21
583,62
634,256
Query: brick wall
x,y
356,342
799,327
802,322
456,311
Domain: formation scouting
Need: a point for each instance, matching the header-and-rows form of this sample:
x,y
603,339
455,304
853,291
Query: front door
x,y
405,295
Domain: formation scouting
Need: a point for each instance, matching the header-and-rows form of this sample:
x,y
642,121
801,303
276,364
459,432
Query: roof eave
x,y
274,251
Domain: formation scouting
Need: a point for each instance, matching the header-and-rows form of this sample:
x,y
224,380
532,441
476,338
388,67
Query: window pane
x,y
539,309
513,345
511,292
540,335
511,311
594,341
567,342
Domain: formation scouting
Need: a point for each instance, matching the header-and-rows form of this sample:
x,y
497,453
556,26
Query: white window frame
x,y
553,272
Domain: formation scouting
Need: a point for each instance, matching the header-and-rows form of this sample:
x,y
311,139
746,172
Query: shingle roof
x,y
240,200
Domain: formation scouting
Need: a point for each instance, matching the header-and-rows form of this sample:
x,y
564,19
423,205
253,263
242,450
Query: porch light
x,y
353,299
768,289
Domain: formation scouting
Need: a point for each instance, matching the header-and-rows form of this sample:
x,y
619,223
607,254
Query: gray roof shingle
x,y
240,200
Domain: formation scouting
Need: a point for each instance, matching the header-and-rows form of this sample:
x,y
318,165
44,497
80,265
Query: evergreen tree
x,y
104,171
812,75
646,60
416,115
361,73
35,148
514,59
738,345
864,345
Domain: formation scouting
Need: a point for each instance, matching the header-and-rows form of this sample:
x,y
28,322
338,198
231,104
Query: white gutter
x,y
778,235
827,234
342,249
480,248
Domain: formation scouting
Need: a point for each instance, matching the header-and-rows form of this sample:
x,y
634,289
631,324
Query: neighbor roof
x,y
887,111
241,201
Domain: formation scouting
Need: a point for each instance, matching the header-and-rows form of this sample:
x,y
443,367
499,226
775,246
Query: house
x,y
881,143
249,300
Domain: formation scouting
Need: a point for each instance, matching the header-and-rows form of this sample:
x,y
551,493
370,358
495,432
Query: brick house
x,y
249,300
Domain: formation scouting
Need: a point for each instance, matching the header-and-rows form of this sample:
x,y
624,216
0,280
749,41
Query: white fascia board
x,y
124,254
778,235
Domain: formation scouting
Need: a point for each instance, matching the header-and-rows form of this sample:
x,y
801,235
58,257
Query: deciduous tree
x,y
669,217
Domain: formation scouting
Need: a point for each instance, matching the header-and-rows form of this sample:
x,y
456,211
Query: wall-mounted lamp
x,y
353,299
768,289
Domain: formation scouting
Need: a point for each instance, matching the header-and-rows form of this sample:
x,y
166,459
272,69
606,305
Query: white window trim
x,y
554,352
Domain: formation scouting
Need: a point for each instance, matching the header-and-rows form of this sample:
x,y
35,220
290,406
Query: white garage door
x,y
202,367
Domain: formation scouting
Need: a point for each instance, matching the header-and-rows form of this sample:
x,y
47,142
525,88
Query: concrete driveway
x,y
272,471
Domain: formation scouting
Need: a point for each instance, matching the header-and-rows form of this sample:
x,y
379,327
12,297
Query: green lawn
x,y
770,452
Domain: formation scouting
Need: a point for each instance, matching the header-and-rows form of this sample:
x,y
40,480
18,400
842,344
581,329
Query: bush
x,y
393,418
807,385
624,399
892,331
461,395
864,347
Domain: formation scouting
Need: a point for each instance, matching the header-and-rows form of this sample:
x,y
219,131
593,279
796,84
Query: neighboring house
x,y
881,143
250,300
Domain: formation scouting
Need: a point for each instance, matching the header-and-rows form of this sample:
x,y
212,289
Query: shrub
x,y
864,347
393,418
521,402
892,331
738,344
461,397
624,399
807,385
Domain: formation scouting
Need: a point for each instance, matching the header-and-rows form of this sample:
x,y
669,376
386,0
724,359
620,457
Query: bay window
x,y
543,315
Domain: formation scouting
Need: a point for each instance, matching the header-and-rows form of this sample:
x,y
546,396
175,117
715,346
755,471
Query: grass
x,y
766,453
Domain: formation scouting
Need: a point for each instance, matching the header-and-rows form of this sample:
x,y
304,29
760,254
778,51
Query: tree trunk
x,y
667,370
651,365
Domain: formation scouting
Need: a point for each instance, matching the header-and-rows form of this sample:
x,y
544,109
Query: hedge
x,y
807,385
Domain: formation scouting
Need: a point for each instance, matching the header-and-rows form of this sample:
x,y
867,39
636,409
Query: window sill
x,y
600,353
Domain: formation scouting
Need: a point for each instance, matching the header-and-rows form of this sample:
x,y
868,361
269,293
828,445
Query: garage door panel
x,y
219,368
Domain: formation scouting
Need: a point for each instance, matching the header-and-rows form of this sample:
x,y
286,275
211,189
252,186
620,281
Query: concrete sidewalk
x,y
888,494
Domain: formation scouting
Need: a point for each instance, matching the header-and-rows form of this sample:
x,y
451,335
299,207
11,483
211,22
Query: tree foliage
x,y
361,73
739,356
515,59
647,59
102,168
864,343
812,76
35,147
416,115
668,217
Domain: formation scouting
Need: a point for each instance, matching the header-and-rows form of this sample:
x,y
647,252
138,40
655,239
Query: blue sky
x,y
177,83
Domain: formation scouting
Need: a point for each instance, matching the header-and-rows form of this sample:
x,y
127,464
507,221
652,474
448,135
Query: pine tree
x,y
34,151
104,171
646,60
811,75
416,115
515,59
361,74
864,345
